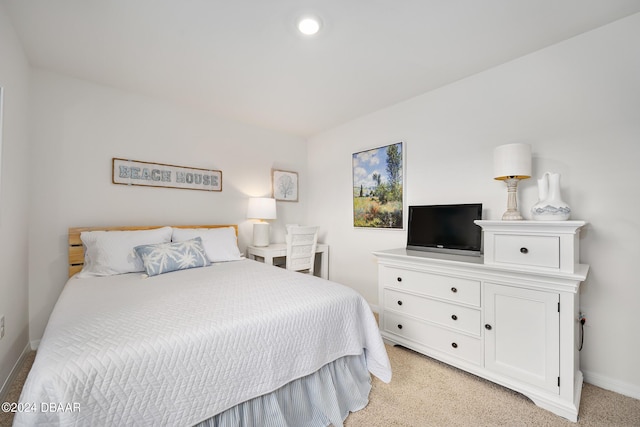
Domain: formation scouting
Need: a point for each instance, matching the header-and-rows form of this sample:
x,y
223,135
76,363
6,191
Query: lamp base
x,y
512,213
261,234
512,216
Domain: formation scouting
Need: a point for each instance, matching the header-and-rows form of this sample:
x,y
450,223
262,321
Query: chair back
x,y
301,248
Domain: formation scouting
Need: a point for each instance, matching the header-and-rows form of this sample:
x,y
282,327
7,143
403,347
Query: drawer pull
x,y
454,290
454,317
399,326
399,302
399,279
524,250
454,345
487,327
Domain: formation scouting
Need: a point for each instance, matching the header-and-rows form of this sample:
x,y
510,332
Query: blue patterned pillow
x,y
165,257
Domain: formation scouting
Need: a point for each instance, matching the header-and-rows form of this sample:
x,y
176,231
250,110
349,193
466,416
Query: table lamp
x,y
261,208
511,163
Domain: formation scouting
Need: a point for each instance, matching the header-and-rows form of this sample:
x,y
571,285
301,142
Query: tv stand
x,y
510,317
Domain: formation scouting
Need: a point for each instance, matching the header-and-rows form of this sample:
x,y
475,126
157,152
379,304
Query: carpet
x,y
425,392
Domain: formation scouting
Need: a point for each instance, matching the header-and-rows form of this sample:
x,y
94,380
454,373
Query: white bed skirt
x,y
323,398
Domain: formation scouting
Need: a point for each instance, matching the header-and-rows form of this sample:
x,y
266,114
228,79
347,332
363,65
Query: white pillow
x,y
220,244
111,252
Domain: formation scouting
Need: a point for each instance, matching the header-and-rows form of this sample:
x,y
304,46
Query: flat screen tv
x,y
445,228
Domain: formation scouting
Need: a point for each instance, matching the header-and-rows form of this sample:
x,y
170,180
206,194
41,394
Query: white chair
x,y
301,248
289,227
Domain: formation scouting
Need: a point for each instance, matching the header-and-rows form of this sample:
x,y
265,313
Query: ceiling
x,y
244,60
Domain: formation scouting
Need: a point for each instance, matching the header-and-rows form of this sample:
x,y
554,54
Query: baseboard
x,y
35,344
14,372
374,308
607,383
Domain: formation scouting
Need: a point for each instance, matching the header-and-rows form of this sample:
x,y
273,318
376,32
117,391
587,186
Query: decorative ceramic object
x,y
550,207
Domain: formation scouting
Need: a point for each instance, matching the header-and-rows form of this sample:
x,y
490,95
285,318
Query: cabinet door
x,y
522,334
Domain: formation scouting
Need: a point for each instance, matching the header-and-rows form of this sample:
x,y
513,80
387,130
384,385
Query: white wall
x,y
78,127
14,179
578,104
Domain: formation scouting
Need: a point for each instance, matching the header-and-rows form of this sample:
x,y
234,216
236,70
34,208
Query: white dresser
x,y
510,317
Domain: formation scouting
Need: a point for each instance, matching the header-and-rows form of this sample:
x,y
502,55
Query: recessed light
x,y
309,25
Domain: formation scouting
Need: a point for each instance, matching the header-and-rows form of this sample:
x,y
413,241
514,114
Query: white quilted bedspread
x,y
176,349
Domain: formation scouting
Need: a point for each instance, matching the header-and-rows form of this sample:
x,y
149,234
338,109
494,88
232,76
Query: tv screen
x,y
445,228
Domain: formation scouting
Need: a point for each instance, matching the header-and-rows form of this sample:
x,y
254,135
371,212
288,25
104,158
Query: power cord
x,y
582,320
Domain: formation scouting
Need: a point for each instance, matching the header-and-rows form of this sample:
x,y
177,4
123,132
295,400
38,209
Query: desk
x,y
280,250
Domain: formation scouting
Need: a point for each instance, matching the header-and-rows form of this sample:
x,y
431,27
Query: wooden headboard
x,y
76,250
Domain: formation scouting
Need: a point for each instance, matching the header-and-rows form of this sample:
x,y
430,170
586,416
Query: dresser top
x,y
553,227
476,263
441,256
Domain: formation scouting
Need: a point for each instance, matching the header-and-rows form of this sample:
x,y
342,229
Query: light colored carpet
x,y
425,392
6,418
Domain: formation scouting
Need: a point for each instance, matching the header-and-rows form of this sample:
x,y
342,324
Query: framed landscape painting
x,y
378,183
1,113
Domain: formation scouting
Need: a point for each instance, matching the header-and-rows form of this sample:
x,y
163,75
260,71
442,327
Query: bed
x,y
231,342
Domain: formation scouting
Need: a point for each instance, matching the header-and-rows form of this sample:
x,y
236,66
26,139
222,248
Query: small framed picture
x,y
284,185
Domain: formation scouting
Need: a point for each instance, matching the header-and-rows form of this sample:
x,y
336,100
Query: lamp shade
x,y
261,208
512,161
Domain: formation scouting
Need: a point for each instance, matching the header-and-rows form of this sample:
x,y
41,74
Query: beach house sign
x,y
135,172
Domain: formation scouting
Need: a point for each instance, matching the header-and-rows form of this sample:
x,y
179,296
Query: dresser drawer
x,y
454,316
523,250
456,289
444,340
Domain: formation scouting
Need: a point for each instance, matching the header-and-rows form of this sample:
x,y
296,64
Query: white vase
x,y
550,206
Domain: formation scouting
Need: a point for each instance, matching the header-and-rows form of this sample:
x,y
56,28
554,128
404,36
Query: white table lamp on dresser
x,y
511,163
261,208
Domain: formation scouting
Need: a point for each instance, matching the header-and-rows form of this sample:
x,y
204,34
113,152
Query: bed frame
x,y
76,250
